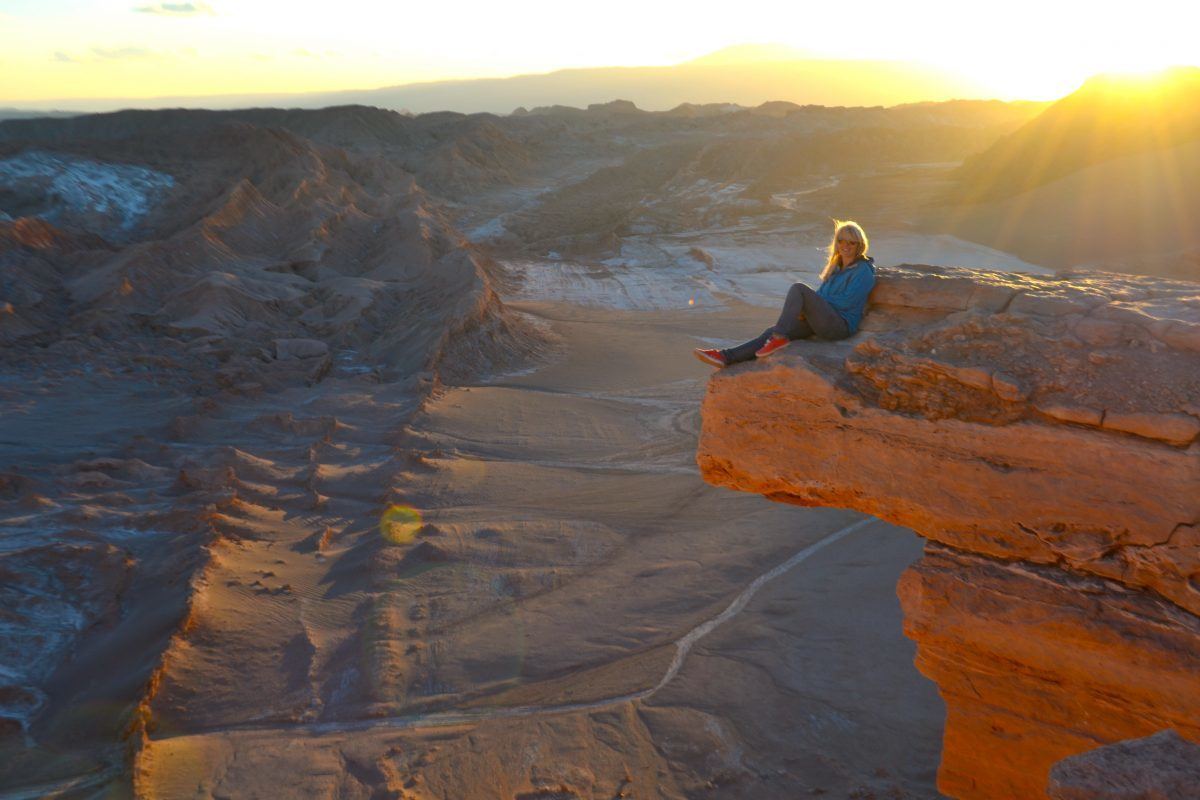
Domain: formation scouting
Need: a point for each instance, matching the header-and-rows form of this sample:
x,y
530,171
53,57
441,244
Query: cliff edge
x,y
1043,433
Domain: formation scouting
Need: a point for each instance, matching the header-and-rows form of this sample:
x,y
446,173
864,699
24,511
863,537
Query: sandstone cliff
x,y
1042,434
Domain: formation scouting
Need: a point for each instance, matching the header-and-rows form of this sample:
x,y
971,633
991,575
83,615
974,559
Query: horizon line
x,y
695,63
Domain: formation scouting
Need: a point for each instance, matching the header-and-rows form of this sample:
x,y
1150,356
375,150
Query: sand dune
x,y
1104,178
1109,117
1132,214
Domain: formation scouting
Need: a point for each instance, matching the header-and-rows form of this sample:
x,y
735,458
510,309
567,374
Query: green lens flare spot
x,y
399,524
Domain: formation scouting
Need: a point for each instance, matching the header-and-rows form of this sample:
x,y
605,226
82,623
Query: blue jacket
x,y
847,290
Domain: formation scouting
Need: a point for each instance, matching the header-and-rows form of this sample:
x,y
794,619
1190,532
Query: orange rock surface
x,y
1036,664
1043,433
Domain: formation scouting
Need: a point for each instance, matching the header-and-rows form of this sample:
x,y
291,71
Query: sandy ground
x,y
578,614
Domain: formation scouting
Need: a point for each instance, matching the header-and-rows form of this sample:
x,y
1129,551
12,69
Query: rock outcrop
x,y
1042,433
237,238
1158,767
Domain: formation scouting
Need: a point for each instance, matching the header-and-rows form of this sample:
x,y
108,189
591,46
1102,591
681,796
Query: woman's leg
x,y
806,313
746,350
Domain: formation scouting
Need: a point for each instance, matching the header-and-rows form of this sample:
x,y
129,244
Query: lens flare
x,y
399,524
691,301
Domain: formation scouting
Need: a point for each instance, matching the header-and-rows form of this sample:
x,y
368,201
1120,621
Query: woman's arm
x,y
859,282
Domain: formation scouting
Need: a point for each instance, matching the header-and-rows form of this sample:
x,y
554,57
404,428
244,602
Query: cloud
x,y
116,53
99,55
177,9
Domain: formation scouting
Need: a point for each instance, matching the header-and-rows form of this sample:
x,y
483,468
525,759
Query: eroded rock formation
x,y
159,295
1042,434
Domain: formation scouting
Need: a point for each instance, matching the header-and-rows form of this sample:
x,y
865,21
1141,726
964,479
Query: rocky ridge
x,y
1042,434
259,236
147,340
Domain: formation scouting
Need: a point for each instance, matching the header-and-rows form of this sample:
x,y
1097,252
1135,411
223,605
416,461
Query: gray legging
x,y
805,313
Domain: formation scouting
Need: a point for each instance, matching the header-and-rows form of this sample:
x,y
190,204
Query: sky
x,y
53,50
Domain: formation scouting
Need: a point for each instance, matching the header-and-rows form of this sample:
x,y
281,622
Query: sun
x,y
1041,80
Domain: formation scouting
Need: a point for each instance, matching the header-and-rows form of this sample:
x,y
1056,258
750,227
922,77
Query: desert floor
x,y
547,631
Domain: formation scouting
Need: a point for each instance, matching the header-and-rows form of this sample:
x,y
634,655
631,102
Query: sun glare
x,y
1045,80
102,48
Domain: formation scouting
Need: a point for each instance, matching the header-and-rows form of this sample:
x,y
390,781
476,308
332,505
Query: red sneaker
x,y
775,343
714,358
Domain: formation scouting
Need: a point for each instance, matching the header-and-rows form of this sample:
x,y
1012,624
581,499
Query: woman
x,y
833,311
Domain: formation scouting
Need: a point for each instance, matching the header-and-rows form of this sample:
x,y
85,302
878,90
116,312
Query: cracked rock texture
x,y
1042,433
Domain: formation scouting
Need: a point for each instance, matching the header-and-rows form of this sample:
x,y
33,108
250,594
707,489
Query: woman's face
x,y
847,247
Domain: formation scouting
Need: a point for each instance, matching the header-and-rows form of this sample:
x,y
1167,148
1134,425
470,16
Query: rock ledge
x,y
1042,433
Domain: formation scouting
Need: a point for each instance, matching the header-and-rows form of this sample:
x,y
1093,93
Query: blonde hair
x,y
844,229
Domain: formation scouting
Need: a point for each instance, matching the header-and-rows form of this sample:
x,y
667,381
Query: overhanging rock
x,y
1044,432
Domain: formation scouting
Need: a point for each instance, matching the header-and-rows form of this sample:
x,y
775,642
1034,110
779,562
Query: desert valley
x,y
346,453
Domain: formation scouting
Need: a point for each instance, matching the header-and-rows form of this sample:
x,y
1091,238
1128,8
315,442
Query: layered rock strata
x,y
1042,434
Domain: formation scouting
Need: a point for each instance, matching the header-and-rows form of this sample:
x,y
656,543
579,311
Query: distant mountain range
x,y
745,75
18,113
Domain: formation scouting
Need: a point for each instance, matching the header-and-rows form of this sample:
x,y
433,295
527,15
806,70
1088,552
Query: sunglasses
x,y
854,242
